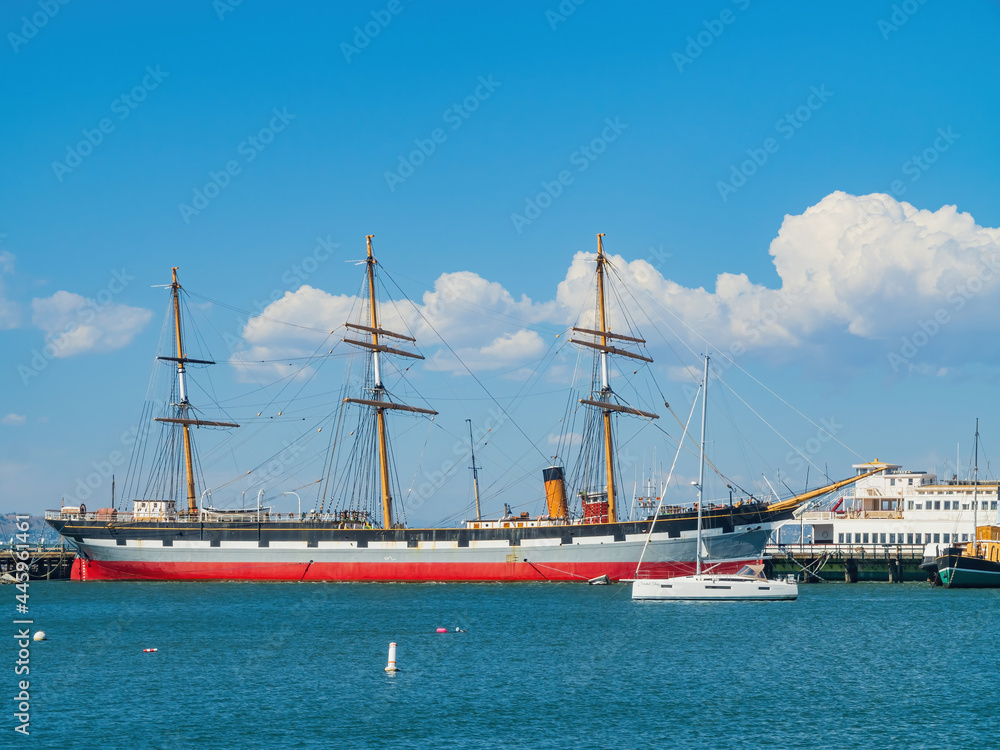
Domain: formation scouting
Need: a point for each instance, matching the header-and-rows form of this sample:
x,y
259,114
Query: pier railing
x,y
848,550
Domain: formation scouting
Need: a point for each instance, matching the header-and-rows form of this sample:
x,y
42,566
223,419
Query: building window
x,y
937,538
864,538
909,505
916,539
892,482
993,505
920,506
937,505
909,538
840,539
965,537
892,538
947,504
857,538
944,538
965,506
910,482
882,540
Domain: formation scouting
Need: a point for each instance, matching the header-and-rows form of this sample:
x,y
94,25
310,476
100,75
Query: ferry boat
x,y
892,506
355,533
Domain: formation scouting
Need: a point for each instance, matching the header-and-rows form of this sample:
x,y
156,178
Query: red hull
x,y
97,570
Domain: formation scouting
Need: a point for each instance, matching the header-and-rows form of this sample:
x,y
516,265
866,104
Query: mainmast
x,y
603,334
701,467
379,398
183,405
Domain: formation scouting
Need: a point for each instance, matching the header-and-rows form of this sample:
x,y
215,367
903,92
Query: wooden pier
x,y
813,563
47,562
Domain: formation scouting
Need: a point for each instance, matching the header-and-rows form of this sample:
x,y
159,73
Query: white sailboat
x,y
748,584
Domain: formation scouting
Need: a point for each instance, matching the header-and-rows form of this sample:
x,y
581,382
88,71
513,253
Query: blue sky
x,y
812,106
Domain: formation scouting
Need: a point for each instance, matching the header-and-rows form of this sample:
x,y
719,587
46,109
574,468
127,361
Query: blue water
x,y
248,665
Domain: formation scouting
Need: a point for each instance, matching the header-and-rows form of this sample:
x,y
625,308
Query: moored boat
x,y
171,533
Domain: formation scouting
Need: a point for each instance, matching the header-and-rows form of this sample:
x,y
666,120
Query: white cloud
x,y
851,269
14,420
10,313
76,325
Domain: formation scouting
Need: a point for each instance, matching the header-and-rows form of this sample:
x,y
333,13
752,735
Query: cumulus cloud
x,y
851,269
13,420
76,325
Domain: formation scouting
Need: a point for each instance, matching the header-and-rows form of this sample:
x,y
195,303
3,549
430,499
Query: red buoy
x,y
442,630
149,651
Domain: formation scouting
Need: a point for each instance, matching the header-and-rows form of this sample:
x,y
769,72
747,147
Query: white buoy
x,y
391,666
39,635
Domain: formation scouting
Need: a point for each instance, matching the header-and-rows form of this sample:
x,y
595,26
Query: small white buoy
x,y
40,635
391,667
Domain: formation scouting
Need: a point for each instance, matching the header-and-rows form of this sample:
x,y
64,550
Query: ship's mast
x,y
183,405
383,448
701,467
380,400
609,455
975,494
607,406
475,471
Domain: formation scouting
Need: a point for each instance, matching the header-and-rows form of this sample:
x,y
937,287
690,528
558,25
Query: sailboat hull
x,y
716,588
312,552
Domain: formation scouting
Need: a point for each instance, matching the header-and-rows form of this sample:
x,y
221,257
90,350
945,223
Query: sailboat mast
x,y
609,455
184,405
975,491
701,467
383,449
475,471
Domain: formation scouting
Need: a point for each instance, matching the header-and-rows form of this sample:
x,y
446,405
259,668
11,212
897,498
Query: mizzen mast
x,y
183,405
380,400
607,406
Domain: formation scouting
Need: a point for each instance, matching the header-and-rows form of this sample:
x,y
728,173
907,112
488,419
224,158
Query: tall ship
x,y
172,531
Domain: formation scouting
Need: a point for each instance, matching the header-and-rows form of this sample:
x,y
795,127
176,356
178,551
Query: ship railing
x,y
848,550
253,517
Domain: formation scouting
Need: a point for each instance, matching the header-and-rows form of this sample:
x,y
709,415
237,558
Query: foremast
x,y
604,402
379,401
183,405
